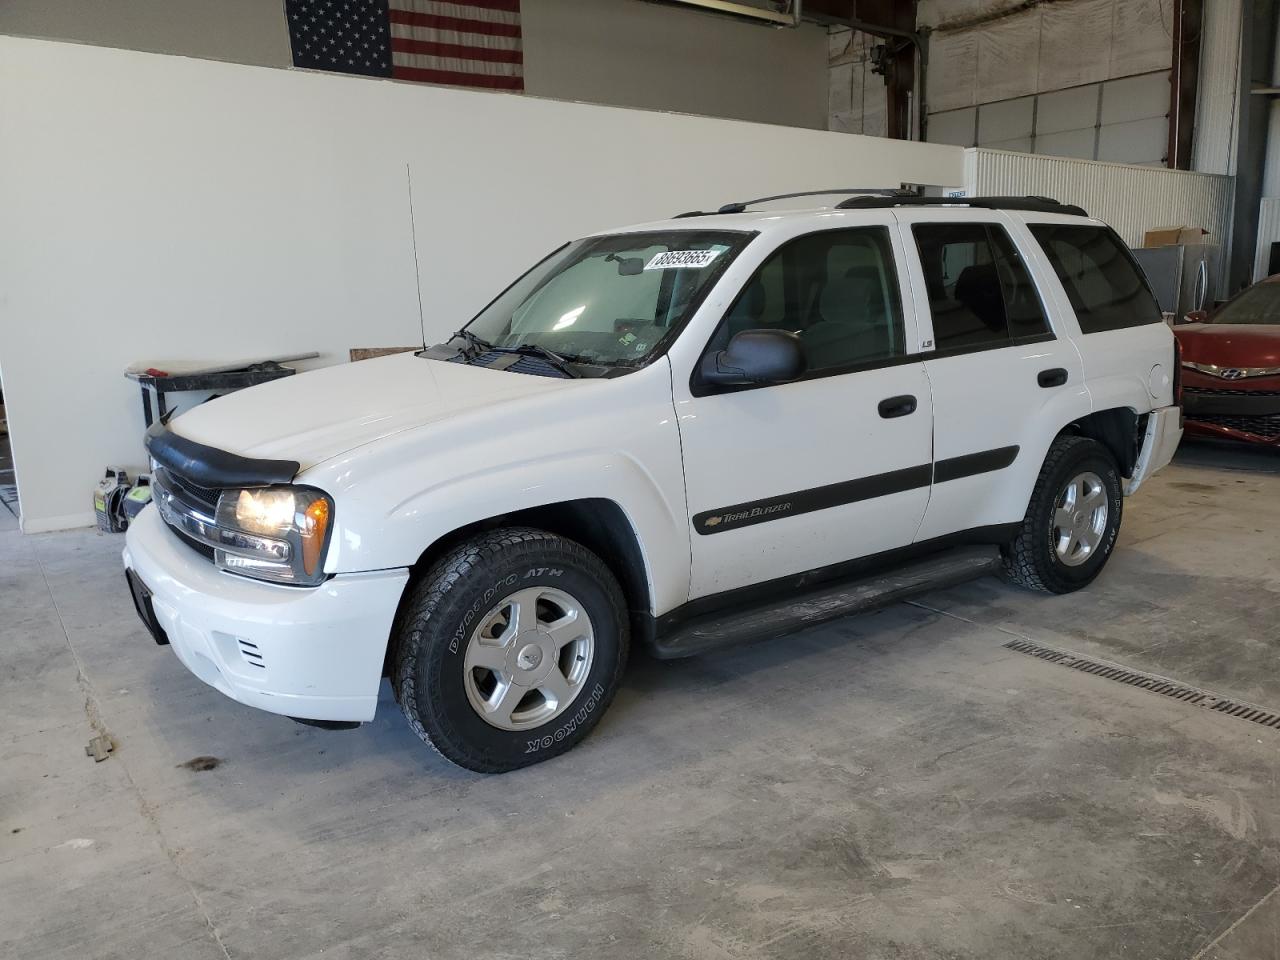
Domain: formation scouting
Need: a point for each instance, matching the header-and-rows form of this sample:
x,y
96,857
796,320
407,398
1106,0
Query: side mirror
x,y
1196,316
756,356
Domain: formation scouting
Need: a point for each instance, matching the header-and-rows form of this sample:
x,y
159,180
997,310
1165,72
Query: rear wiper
x,y
533,349
477,344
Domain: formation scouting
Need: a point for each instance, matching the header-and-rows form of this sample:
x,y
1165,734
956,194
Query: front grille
x,y
198,546
201,497
1267,427
1215,392
188,497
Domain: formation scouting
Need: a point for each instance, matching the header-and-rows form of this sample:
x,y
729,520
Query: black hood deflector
x,y
212,468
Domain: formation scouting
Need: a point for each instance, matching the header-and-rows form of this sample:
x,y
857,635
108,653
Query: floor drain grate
x,y
1147,681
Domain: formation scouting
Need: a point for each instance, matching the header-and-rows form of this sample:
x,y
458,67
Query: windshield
x,y
1258,304
609,300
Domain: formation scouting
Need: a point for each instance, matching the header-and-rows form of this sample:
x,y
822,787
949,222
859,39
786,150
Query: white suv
x,y
687,433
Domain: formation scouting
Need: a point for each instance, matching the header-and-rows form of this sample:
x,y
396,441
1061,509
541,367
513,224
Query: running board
x,y
830,602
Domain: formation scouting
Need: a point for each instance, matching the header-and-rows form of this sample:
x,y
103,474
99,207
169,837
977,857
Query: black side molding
x,y
851,491
212,468
972,464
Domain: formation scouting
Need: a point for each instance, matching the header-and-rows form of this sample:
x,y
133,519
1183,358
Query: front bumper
x,y
1246,410
309,652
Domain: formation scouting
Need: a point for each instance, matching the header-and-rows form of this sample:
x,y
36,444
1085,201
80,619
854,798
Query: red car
x,y
1231,367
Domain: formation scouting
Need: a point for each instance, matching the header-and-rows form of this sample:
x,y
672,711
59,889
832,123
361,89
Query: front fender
x,y
395,498
660,532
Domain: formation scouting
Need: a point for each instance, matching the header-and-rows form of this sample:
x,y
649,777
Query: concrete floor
x,y
898,785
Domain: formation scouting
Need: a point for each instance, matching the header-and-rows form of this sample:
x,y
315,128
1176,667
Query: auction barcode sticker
x,y
682,258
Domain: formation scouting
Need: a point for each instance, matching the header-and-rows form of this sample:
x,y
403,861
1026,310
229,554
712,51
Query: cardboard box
x,y
1171,236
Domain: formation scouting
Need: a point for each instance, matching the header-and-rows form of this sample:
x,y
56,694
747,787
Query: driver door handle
x,y
897,406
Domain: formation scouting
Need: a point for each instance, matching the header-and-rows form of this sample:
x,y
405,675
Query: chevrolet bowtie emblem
x,y
711,521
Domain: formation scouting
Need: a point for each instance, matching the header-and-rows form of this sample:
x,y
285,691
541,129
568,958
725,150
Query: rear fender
x,y
1007,498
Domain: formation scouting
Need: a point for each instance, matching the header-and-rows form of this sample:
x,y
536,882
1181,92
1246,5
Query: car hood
x,y
320,414
1230,344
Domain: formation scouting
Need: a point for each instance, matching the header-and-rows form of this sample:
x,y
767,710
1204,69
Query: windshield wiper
x,y
533,349
477,344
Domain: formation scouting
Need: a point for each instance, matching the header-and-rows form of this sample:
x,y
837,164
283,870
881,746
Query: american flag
x,y
466,43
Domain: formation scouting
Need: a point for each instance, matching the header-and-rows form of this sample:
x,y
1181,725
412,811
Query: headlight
x,y
274,533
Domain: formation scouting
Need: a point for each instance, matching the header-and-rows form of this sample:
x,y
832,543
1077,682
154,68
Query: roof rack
x,y
741,205
1033,204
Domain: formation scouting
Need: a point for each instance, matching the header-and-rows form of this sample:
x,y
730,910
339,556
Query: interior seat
x,y
978,288
853,323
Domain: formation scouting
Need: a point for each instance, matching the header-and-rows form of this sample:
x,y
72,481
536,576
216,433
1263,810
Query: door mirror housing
x,y
754,357
1196,316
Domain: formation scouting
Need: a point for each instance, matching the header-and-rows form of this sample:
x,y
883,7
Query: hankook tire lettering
x,y
565,729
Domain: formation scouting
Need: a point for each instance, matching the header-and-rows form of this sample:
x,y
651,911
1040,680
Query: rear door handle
x,y
897,406
1052,378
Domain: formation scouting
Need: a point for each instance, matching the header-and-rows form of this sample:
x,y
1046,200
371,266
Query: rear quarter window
x,y
1103,282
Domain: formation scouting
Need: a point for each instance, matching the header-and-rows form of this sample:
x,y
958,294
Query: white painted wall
x,y
164,208
621,52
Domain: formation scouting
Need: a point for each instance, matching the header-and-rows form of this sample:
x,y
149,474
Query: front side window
x,y
838,290
980,294
1101,278
609,300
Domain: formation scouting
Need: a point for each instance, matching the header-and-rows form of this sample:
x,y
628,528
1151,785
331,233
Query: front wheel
x,y
1072,521
509,649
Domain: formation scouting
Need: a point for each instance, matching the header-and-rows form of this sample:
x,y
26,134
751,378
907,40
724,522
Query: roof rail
x,y
1032,204
741,206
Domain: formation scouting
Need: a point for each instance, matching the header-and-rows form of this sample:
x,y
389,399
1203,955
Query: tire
x,y
484,623
1044,556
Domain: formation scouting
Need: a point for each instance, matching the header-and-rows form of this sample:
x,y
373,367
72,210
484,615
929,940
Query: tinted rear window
x,y
980,295
1103,282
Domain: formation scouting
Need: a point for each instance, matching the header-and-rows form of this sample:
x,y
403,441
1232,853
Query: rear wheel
x,y
1072,521
509,649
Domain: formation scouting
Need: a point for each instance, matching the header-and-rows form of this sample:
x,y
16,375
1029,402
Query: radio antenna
x,y
417,270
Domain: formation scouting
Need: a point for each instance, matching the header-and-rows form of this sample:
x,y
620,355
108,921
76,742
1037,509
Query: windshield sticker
x,y
674,259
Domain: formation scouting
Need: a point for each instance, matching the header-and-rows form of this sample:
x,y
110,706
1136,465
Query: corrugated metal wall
x,y
1217,107
1268,233
1132,199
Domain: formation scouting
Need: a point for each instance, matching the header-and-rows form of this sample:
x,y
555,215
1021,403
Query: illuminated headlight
x,y
274,533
